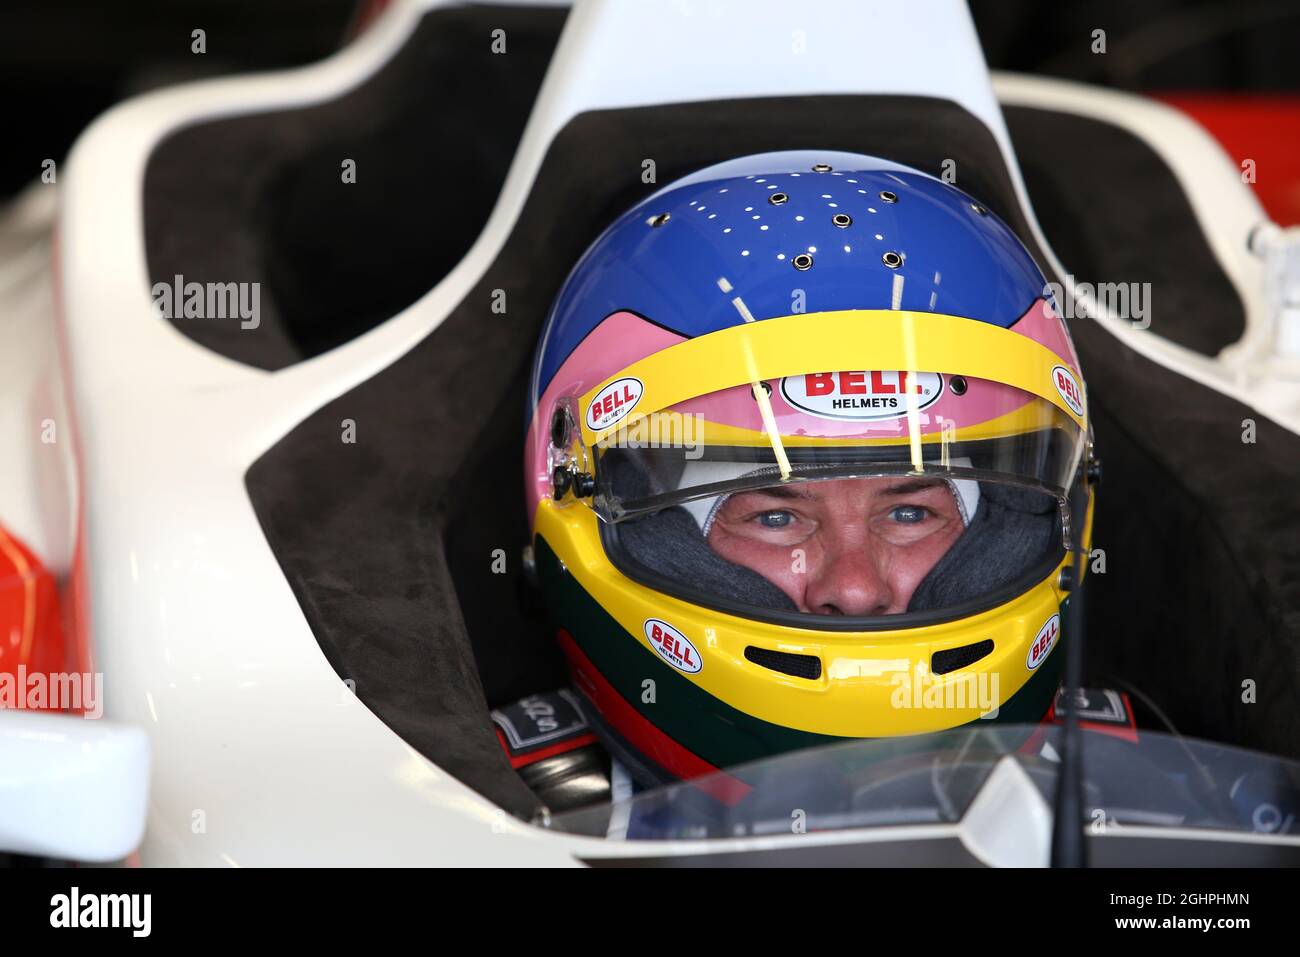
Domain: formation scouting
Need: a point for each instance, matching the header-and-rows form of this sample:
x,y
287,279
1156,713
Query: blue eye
x,y
908,514
775,519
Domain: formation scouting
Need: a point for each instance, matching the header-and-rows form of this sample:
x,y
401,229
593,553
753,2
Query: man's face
x,y
867,543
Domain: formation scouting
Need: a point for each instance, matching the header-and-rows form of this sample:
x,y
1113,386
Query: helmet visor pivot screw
x,y
561,480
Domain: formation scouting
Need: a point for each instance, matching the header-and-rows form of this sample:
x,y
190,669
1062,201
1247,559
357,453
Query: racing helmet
x,y
807,460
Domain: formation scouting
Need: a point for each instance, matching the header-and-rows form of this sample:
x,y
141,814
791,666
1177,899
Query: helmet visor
x,y
833,507
831,426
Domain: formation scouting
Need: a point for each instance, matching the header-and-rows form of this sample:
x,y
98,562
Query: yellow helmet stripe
x,y
828,341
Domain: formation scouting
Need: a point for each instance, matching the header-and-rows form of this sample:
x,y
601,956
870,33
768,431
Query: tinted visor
x,y
678,456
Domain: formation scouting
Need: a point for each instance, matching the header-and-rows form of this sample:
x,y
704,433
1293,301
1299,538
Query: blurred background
x,y
1232,65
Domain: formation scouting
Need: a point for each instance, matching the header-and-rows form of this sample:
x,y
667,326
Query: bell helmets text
x,y
1068,386
614,402
673,647
861,395
1044,642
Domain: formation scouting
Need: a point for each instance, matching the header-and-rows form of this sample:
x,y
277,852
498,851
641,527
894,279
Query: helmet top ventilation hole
x,y
892,259
659,220
842,220
802,261
776,199
888,196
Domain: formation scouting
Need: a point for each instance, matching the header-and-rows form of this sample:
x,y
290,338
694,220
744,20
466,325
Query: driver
x,y
805,429
868,543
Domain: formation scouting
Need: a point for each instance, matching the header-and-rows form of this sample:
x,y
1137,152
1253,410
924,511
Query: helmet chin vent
x,y
951,659
797,666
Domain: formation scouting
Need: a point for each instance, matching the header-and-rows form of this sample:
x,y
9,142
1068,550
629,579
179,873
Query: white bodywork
x,y
261,754
71,789
1254,369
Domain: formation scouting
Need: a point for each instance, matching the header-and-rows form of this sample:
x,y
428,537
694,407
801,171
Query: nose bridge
x,y
851,579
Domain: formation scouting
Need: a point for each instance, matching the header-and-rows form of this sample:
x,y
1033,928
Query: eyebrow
x,y
783,491
903,487
908,486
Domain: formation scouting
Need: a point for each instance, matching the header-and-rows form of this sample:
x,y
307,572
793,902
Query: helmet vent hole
x,y
559,429
887,196
821,168
952,659
957,384
892,259
842,220
979,210
797,666
776,199
659,220
802,261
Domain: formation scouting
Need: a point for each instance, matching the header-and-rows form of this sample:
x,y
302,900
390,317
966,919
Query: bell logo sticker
x,y
1044,642
1068,386
861,396
614,402
673,647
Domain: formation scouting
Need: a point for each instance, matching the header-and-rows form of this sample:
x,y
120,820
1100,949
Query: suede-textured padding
x,y
261,198
389,543
363,531
1114,212
1200,599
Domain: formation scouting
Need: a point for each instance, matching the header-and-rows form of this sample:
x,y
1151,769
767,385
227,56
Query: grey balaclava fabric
x,y
1012,530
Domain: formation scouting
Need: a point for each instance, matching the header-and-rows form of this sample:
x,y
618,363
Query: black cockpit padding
x,y
261,197
393,570
1114,213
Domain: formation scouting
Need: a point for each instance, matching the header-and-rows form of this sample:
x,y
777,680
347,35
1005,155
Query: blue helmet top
x,y
798,231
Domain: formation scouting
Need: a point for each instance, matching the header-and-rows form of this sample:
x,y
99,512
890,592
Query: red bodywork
x,y
1258,127
31,630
